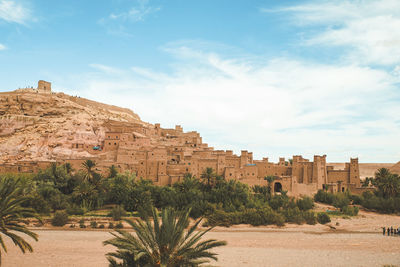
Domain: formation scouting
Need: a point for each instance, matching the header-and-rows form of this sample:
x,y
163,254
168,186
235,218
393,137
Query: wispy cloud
x,y
369,28
116,22
136,13
2,47
106,69
12,11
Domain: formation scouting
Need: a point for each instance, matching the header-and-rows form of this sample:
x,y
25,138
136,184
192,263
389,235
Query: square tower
x,y
44,86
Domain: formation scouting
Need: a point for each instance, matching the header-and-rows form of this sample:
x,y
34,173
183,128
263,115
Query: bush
x,y
119,225
219,218
357,200
82,223
255,217
110,225
60,218
117,213
305,203
309,217
293,215
101,226
324,197
93,224
351,210
341,201
323,218
75,210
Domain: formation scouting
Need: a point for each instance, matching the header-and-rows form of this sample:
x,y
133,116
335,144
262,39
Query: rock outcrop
x,y
41,127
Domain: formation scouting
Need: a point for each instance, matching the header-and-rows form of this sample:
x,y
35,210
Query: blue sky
x,y
278,78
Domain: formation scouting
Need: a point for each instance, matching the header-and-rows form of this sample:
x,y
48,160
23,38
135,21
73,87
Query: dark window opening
x,y
277,187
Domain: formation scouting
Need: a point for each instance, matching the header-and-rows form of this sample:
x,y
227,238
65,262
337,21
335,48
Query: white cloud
x,y
135,13
370,28
274,108
106,69
12,11
2,47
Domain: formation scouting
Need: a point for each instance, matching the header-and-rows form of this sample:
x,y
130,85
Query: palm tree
x,y
387,183
112,171
68,167
270,179
382,173
166,245
209,176
12,214
88,167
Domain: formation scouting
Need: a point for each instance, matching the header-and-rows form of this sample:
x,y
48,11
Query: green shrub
x,y
117,213
119,225
351,210
110,225
93,224
341,200
60,218
305,203
101,226
357,200
82,223
293,215
324,197
255,217
219,218
323,218
309,217
75,210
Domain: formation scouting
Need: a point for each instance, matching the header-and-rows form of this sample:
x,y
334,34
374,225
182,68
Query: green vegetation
x,y
93,224
385,199
162,242
12,214
60,218
221,202
323,218
117,213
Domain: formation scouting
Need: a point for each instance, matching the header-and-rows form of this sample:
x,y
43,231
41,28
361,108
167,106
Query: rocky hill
x,y
44,126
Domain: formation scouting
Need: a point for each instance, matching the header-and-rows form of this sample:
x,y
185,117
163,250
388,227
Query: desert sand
x,y
354,242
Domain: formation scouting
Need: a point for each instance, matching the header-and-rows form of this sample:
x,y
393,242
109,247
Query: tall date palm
x,y
166,244
12,214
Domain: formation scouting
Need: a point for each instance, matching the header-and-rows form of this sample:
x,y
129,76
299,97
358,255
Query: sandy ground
x,y
354,242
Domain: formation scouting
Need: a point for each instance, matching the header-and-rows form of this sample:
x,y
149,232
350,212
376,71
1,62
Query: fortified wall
x,y
166,155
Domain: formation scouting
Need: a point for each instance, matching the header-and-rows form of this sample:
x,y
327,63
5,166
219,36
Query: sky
x,y
278,78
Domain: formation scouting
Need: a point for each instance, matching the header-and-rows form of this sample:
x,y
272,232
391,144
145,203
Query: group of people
x,y
391,231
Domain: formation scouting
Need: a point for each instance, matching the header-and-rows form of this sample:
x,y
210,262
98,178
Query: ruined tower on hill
x,y
44,87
